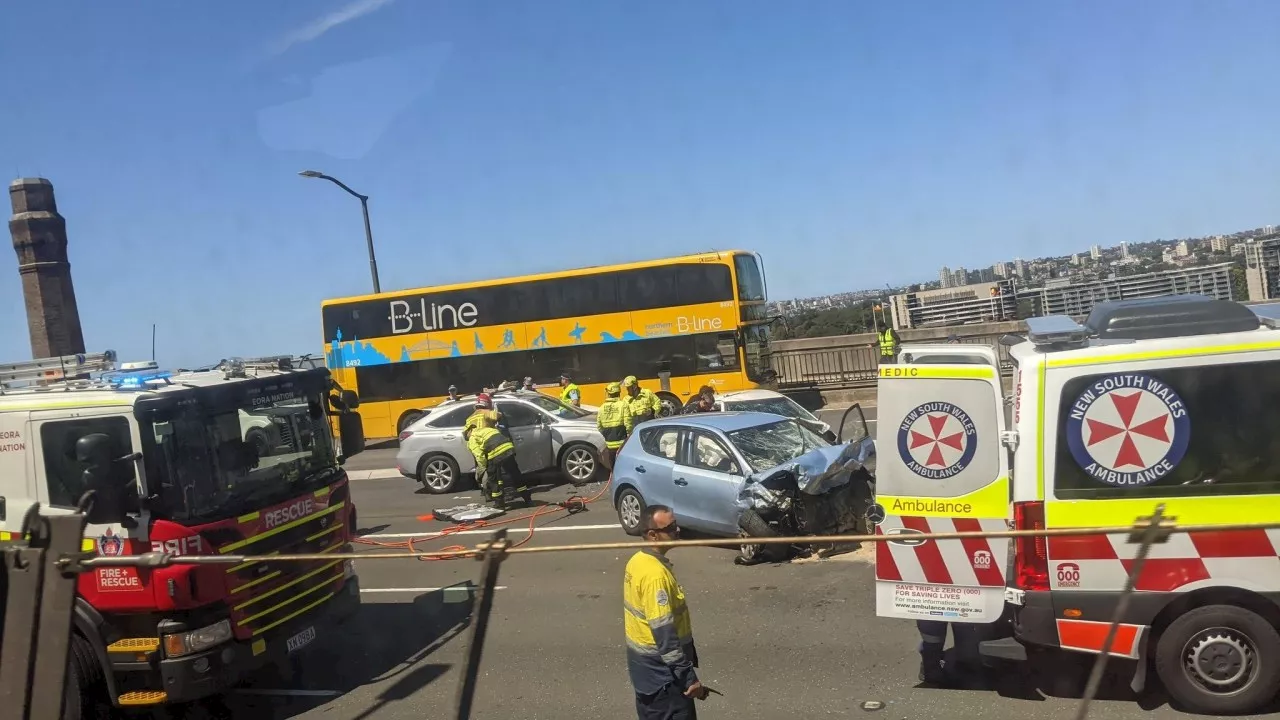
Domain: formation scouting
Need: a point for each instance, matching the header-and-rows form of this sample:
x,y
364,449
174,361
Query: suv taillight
x,y
405,435
1031,554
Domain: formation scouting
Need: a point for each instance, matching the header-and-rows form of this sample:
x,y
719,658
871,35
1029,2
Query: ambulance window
x,y
64,473
1171,432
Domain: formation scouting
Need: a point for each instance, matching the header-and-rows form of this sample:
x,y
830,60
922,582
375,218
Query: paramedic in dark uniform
x,y
933,636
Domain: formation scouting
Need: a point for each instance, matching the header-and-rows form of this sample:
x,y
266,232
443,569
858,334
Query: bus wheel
x,y
1220,660
438,474
670,404
410,417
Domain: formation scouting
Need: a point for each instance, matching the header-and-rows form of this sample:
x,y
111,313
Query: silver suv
x,y
547,433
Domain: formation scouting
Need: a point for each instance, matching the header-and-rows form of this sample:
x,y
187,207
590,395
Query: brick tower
x,y
40,239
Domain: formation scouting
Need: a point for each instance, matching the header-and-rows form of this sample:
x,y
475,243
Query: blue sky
x,y
851,143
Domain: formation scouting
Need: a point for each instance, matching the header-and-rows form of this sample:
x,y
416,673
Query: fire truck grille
x,y
264,594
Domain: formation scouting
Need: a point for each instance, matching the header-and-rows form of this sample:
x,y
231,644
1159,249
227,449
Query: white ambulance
x,y
1172,401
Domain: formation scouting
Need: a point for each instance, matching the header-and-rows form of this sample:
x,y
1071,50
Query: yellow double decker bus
x,y
676,324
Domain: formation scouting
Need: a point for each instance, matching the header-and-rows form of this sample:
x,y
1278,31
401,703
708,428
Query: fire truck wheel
x,y
1220,660
84,680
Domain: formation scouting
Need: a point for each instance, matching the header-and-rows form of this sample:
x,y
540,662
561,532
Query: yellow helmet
x,y
613,390
630,380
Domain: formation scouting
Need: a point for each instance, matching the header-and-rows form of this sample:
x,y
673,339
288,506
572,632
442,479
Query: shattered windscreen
x,y
768,446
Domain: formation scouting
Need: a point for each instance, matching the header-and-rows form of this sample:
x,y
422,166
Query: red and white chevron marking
x,y
1242,558
973,562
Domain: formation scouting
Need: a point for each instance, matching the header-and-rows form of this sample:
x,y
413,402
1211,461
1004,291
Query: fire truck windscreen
x,y
222,450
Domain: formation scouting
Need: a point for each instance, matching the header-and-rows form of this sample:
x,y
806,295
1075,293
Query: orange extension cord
x,y
565,506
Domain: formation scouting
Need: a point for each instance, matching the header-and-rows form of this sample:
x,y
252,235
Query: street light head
x,y
311,174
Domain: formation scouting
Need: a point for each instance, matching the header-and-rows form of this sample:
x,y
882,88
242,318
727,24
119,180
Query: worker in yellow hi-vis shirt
x,y
614,421
661,656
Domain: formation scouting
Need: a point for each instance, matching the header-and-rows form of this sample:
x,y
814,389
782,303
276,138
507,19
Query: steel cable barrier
x,y
41,573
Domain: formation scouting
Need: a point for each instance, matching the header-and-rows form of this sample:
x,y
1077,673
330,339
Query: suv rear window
x,y
455,418
1170,432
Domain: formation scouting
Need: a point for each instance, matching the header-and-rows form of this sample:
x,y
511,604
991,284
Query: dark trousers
x,y
504,474
666,704
610,457
933,635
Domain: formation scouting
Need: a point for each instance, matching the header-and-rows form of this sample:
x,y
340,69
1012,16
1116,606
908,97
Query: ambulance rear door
x,y
942,466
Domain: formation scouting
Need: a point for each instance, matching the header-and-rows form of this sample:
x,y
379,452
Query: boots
x,y
527,497
931,671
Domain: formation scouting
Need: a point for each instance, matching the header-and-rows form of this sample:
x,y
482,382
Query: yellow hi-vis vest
x,y
644,406
614,421
660,646
888,343
567,395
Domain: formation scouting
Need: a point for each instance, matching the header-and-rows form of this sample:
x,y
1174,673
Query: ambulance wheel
x,y
1220,660
438,473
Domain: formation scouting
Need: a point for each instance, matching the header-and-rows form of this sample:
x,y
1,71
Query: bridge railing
x,y
850,361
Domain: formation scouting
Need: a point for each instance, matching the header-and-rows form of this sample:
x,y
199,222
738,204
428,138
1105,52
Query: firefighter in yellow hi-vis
x,y
495,456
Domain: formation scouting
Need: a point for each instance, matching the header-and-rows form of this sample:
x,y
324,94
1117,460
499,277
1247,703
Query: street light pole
x,y
364,208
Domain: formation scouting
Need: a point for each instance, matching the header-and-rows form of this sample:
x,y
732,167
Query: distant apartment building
x,y
1262,268
1019,269
1124,249
959,278
1095,252
1167,256
1000,269
1078,299
1219,243
1182,249
1237,250
1075,259
944,277
965,305
987,302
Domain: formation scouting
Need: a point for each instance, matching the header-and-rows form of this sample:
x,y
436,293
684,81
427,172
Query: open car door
x,y
942,467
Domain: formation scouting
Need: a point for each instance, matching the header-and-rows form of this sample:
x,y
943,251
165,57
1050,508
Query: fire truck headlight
x,y
195,641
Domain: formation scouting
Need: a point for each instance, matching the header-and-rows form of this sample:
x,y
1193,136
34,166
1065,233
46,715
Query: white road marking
x,y
380,474
288,693
487,531
421,589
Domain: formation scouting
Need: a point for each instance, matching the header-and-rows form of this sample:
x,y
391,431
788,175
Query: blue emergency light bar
x,y
137,380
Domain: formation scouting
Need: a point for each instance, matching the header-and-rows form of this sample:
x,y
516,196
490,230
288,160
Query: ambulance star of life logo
x,y
110,544
1128,429
937,440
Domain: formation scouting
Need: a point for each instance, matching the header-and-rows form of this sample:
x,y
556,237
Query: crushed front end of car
x,y
823,492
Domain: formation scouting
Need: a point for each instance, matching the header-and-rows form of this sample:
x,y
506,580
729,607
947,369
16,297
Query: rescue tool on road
x,y
234,459
1167,401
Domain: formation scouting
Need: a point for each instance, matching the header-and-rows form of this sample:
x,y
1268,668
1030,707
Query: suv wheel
x,y
438,474
579,463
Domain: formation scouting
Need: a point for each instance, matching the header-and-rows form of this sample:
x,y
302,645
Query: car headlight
x,y
194,641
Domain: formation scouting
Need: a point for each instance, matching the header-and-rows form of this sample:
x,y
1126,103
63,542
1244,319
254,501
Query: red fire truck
x,y
237,459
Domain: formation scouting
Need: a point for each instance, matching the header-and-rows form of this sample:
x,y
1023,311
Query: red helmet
x,y
483,400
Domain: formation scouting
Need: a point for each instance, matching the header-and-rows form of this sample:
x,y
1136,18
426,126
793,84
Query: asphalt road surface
x,y
798,640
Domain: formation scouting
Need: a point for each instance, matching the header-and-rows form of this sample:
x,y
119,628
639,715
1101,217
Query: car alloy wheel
x,y
629,511
579,464
437,474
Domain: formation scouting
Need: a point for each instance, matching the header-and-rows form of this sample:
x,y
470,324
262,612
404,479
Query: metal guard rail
x,y
42,573
856,364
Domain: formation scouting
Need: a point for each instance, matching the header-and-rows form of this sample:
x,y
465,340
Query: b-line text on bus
x,y
431,316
